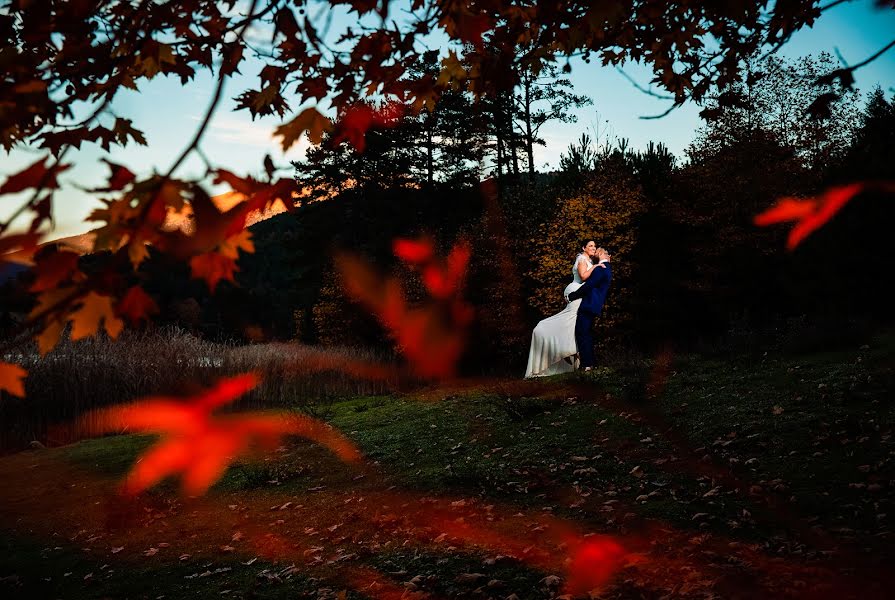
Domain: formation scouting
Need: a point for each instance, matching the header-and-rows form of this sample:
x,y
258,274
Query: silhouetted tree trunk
x,y
545,96
429,152
529,135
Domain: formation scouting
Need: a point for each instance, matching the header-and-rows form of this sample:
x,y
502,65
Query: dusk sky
x,y
169,113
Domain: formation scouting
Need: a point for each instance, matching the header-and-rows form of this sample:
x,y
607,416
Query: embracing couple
x,y
561,341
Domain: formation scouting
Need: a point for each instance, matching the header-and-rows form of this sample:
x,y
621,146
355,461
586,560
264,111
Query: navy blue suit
x,y
593,295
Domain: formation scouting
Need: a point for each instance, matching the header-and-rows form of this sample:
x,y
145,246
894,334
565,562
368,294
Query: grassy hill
x,y
756,476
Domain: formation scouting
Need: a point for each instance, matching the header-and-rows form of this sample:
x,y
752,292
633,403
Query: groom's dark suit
x,y
593,294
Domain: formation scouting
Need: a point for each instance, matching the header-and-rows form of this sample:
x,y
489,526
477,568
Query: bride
x,y
553,349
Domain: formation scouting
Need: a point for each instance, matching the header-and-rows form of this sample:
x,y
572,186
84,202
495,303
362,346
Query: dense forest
x,y
692,269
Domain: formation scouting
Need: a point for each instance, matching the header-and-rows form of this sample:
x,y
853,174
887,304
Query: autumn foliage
x,y
605,209
432,335
66,63
198,445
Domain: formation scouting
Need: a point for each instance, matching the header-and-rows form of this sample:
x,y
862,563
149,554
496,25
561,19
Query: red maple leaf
x,y
54,269
197,444
36,175
443,281
413,251
358,119
593,563
432,335
810,214
136,305
120,177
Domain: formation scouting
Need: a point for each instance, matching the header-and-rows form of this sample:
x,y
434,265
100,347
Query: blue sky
x,y
169,114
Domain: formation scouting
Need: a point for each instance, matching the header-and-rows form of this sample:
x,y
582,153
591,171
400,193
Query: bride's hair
x,y
580,249
584,242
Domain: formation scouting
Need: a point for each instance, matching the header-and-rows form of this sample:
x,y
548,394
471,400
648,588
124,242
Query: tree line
x,y
691,267
454,142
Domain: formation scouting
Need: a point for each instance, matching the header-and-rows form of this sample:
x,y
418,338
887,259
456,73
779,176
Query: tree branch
x,y
664,114
212,108
641,88
43,181
869,60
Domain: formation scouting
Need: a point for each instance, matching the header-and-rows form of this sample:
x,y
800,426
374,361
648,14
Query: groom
x,y
593,295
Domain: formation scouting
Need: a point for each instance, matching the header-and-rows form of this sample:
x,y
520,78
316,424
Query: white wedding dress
x,y
553,349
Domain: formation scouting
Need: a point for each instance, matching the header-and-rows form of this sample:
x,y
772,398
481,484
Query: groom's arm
x,y
597,277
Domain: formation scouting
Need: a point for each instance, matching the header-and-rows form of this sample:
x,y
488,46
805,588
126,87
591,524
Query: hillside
x,y
746,478
83,243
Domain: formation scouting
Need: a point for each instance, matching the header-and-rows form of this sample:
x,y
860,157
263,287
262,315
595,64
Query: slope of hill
x,y
83,243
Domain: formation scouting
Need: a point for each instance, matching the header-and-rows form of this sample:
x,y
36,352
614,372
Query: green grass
x,y
33,571
704,452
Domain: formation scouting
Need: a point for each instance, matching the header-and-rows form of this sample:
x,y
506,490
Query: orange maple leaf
x,y
310,120
86,319
243,185
810,214
200,446
212,267
231,246
55,322
12,379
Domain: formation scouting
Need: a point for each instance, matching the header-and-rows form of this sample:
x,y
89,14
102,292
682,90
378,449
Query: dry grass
x,y
80,376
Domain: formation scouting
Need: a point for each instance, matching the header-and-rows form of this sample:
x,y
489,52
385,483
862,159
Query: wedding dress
x,y
553,349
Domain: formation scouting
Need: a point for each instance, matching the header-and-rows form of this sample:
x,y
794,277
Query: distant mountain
x,y
183,220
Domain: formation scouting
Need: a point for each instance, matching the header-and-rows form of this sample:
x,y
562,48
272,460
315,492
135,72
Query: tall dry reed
x,y
77,377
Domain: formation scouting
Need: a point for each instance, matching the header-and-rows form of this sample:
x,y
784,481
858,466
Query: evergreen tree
x,y
388,160
872,153
543,96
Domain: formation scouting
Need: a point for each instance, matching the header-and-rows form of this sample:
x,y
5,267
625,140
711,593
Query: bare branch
x,y
209,113
870,59
832,4
664,114
639,87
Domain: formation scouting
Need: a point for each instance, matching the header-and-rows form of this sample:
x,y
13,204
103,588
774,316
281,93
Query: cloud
x,y
232,129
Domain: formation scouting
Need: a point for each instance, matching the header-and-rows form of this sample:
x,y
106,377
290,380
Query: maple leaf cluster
x,y
432,335
89,51
133,217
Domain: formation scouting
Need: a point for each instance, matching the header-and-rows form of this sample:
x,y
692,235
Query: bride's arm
x,y
585,268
